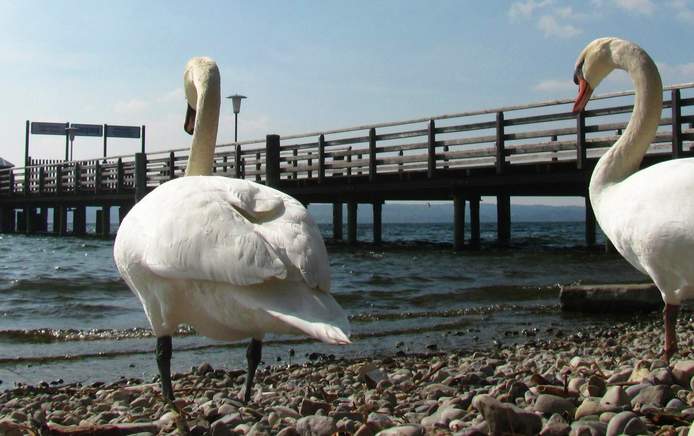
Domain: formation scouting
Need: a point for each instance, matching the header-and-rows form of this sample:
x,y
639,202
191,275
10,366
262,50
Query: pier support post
x,y
79,221
458,222
60,220
337,221
503,219
122,212
21,221
590,223
28,220
475,223
105,229
41,223
7,220
377,221
352,222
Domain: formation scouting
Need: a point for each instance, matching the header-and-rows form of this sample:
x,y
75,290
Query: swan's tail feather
x,y
324,332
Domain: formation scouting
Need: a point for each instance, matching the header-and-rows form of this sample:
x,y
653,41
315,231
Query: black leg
x,y
253,354
670,318
163,353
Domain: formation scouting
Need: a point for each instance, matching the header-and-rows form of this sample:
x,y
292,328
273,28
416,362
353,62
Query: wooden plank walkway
x,y
532,149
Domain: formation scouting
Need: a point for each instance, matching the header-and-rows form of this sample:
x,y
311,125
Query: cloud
x,y
553,21
525,9
134,105
676,73
644,7
683,11
555,86
550,26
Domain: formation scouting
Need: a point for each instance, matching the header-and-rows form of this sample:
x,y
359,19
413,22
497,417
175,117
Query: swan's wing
x,y
298,240
196,229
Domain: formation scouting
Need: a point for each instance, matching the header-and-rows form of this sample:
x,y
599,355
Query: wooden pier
x,y
538,149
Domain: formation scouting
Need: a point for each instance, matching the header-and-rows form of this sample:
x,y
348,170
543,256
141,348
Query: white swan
x,y
648,214
232,258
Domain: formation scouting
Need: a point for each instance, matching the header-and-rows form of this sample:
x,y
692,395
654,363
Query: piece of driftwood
x,y
610,298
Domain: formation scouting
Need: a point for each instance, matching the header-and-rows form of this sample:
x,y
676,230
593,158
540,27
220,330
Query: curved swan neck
x,y
624,157
206,82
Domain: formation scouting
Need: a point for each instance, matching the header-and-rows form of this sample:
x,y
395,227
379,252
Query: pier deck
x,y
539,149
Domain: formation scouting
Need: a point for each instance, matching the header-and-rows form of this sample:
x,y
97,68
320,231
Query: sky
x,y
305,65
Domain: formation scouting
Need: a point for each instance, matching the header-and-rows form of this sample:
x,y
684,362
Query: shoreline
x,y
596,379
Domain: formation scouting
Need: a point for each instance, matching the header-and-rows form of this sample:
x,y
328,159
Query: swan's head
x,y
198,73
594,63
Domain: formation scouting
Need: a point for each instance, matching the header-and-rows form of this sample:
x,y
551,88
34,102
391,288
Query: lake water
x,y
65,313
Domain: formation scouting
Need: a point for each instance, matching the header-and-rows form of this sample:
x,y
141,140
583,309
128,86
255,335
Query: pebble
x,y
529,384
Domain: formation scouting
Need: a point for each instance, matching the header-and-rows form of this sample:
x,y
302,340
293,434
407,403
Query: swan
x,y
232,258
648,214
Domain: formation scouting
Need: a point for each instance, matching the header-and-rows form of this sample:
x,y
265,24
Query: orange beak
x,y
584,93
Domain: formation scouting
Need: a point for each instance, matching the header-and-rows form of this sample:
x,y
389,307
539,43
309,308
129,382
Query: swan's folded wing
x,y
206,238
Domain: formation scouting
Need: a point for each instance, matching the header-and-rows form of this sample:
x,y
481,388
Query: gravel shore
x,y
595,381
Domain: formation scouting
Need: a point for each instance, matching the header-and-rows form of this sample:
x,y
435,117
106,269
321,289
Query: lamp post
x,y
70,131
236,102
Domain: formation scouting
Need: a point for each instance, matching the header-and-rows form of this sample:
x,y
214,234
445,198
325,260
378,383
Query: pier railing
x,y
538,133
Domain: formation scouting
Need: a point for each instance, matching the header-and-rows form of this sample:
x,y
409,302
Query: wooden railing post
x,y
321,158
97,177
676,124
140,176
295,163
581,140
272,160
76,174
42,180
27,180
120,177
58,179
431,150
237,161
257,167
372,154
172,166
500,145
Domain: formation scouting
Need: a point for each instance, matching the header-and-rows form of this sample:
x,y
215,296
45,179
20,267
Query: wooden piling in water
x,y
337,221
79,221
377,222
503,219
458,221
590,223
475,223
352,222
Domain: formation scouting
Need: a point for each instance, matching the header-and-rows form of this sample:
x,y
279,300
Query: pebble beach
x,y
591,381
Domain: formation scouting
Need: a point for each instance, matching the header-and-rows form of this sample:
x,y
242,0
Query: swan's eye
x,y
578,72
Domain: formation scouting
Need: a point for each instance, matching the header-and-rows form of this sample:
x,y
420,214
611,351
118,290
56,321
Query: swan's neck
x,y
206,122
624,157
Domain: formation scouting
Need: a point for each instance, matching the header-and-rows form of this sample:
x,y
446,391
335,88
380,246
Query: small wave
x,y
65,335
65,285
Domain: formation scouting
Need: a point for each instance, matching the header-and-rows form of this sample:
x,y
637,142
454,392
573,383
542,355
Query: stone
x,y
635,426
620,376
675,404
587,408
316,425
310,407
660,376
614,400
619,421
288,431
505,418
379,421
224,425
549,404
588,428
203,369
683,371
365,430
556,426
443,416
284,412
371,375
403,430
609,298
657,396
